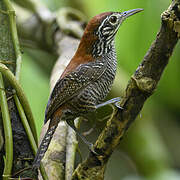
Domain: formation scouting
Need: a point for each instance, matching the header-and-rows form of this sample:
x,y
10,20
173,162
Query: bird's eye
x,y
113,19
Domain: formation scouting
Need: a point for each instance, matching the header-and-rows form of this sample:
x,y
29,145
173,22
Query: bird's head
x,y
105,25
100,32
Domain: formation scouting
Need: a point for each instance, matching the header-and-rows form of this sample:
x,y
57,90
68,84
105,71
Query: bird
x,y
87,79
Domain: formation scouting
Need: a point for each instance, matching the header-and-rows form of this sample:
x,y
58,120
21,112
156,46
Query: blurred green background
x,y
151,148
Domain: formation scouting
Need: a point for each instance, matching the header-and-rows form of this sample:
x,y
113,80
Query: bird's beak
x,y
126,14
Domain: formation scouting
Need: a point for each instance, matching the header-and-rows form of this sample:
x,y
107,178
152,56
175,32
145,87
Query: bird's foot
x,y
118,105
111,101
91,148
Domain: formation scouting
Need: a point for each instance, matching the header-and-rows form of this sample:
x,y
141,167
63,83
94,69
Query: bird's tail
x,y
44,145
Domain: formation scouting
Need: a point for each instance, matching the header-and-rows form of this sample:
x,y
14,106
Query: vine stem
x,y
7,132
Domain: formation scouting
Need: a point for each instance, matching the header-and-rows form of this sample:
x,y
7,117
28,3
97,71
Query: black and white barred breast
x,y
96,91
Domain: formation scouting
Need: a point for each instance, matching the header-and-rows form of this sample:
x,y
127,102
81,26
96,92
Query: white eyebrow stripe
x,y
102,24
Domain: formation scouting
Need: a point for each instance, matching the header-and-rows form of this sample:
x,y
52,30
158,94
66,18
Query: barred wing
x,y
69,86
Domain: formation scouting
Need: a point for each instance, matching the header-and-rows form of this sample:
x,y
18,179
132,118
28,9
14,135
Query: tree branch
x,y
141,85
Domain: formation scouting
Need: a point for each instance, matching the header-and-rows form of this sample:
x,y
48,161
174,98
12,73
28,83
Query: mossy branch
x,y
11,13
141,86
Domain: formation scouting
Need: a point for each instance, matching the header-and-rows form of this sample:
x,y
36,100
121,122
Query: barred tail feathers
x,y
44,146
47,138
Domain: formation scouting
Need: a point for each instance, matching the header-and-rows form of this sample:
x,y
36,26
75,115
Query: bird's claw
x,y
118,105
91,148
